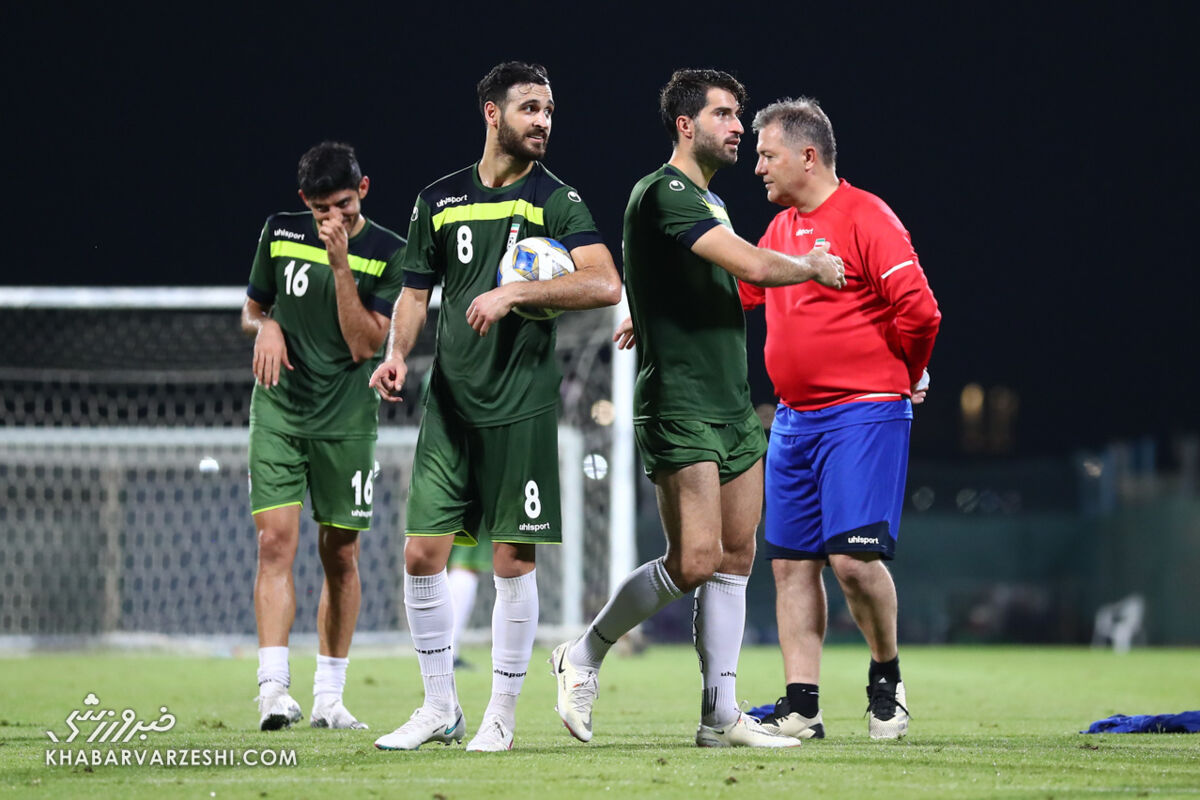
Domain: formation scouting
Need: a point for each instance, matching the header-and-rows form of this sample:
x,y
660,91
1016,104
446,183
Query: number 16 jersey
x,y
326,395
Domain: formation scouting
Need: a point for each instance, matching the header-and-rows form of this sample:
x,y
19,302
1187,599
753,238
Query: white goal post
x,y
124,513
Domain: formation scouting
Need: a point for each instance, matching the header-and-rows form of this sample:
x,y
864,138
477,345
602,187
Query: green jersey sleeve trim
x,y
319,255
489,211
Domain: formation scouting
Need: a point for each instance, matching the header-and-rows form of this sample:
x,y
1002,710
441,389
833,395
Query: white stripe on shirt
x,y
893,269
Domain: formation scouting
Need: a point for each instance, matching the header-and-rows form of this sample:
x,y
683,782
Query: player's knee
x,y
276,548
855,571
695,566
425,556
340,561
738,558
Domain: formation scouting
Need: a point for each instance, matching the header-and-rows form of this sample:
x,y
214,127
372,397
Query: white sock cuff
x,y
728,583
273,665
332,662
518,589
424,591
659,575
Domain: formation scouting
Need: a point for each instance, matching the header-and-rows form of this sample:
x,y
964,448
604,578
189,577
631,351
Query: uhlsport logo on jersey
x,y
676,186
862,540
804,231
574,197
289,234
445,201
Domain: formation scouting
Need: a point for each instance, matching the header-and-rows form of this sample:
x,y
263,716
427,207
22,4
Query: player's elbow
x,y
364,350
609,291
757,273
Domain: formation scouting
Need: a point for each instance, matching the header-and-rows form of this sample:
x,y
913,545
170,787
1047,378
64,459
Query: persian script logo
x,y
111,728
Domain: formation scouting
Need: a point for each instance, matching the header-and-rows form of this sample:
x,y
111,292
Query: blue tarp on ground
x,y
1185,722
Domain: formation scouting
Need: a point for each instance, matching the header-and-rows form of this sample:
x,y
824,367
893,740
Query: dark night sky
x,y
1040,158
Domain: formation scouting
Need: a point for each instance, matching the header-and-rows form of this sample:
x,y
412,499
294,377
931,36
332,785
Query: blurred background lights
x,y
603,413
595,466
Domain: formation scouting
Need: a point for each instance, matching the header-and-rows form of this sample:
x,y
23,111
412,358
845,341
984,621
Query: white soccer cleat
x,y
785,722
577,692
276,707
745,731
887,710
424,726
333,714
493,737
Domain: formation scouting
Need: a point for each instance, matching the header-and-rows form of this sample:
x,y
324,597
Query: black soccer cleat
x,y
786,722
886,710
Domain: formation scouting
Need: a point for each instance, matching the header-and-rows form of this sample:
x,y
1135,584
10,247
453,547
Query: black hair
x,y
496,83
327,168
687,93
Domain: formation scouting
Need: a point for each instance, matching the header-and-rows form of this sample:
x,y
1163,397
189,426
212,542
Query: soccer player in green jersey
x,y
699,437
320,295
487,453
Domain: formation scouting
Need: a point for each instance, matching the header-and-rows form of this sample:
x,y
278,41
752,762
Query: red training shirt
x,y
867,341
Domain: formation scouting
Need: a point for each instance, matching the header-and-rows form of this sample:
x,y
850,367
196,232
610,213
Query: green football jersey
x,y
460,230
326,395
687,317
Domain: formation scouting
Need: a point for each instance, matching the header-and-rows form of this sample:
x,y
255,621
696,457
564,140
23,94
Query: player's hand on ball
x,y
489,308
270,350
827,268
624,335
921,388
388,379
337,241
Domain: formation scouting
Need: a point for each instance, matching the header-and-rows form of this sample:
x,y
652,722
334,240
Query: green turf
x,y
988,722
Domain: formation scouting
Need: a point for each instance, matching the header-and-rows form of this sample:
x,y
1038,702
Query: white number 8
x,y
533,503
465,249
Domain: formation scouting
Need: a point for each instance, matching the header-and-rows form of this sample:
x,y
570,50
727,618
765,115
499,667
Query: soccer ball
x,y
534,259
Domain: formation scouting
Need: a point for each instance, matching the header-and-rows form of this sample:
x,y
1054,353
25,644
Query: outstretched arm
x,y
763,267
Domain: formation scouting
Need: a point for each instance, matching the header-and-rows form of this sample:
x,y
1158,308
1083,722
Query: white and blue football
x,y
536,258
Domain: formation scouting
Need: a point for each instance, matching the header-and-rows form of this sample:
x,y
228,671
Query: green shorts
x,y
477,558
340,475
499,482
675,443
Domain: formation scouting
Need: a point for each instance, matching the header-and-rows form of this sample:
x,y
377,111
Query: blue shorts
x,y
835,480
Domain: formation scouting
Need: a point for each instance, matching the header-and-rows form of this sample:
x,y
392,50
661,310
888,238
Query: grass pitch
x,y
988,722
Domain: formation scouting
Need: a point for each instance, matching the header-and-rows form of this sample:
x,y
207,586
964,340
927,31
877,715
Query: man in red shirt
x,y
847,366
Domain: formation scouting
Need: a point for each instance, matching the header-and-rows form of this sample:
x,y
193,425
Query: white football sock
x,y
514,625
463,584
643,593
718,621
431,623
273,665
331,676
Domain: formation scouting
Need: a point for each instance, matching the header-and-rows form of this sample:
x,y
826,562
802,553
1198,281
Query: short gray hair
x,y
803,123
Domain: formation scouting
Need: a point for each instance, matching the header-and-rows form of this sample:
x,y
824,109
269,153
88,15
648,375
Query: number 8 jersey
x,y
459,231
326,395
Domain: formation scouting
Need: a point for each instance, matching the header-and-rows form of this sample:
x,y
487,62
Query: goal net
x,y
124,513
